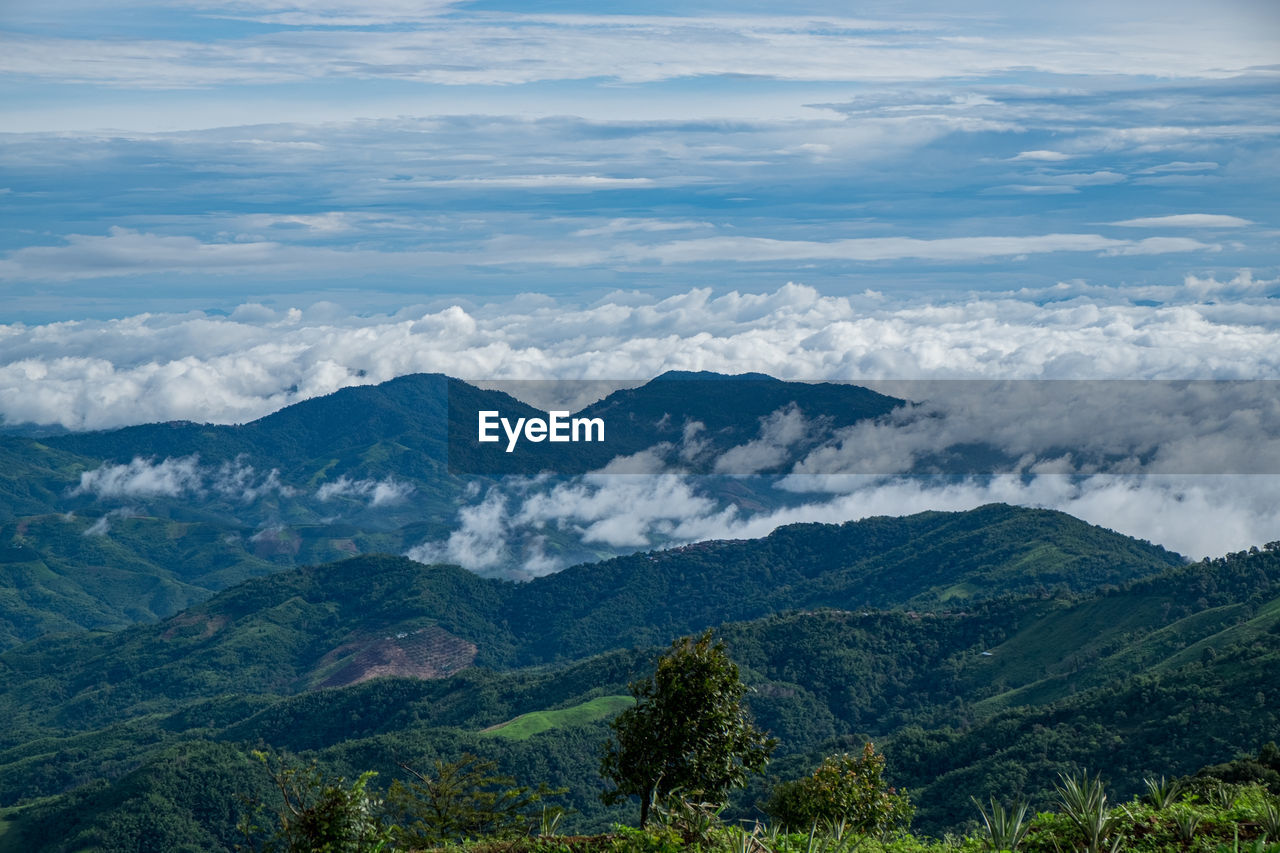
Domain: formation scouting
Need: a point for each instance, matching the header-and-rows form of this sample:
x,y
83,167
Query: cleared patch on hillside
x,y
204,626
526,726
430,652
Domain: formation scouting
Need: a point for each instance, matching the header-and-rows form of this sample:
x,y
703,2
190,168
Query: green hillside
x,y
343,622
1122,682
247,500
527,725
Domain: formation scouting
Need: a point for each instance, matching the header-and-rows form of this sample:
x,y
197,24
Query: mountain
x,y
1161,674
343,622
405,426
697,418
99,530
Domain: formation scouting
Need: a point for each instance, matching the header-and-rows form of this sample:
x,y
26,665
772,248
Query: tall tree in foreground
x,y
688,730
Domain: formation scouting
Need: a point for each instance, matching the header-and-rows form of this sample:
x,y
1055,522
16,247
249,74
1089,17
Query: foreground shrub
x,y
843,789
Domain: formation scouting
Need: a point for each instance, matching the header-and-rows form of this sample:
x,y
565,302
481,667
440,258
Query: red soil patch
x,y
430,652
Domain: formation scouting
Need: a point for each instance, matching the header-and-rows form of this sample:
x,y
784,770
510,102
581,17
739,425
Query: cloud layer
x,y
1195,516
229,369
478,49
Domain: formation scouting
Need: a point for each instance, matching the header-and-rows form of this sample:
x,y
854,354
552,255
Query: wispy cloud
x,y
179,477
742,249
377,492
479,49
126,253
1186,220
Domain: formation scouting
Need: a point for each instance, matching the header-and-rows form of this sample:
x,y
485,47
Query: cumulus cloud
x,y
1194,466
143,478
779,432
179,477
479,541
230,369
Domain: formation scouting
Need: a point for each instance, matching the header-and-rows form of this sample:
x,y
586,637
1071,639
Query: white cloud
x,y
1195,516
779,432
619,226
479,541
1043,156
123,252
754,249
1078,428
151,368
377,492
179,477
589,182
143,478
102,526
479,49
1186,220
1162,246
1181,166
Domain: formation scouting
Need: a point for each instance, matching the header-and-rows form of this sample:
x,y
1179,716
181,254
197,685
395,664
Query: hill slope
x,y
821,680
342,622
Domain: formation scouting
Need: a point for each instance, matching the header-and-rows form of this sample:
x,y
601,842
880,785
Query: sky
x,y
214,208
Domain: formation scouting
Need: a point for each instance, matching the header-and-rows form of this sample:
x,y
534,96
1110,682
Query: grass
x,y
526,726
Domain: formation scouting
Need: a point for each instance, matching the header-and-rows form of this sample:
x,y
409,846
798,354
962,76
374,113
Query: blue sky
x,y
216,208
211,153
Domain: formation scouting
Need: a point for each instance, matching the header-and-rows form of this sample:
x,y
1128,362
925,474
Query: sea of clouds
x,y
96,374
1189,493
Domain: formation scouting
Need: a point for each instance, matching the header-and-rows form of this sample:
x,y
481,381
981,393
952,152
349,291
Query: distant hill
x,y
1164,673
113,527
305,628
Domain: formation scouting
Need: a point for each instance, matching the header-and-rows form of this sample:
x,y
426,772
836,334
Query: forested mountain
x,y
103,529
176,595
1164,667
343,622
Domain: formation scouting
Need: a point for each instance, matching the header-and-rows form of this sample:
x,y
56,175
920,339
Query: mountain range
x,y
985,651
102,529
1026,642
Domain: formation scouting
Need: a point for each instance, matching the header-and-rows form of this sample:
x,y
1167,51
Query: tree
x,y
688,730
319,814
464,799
842,788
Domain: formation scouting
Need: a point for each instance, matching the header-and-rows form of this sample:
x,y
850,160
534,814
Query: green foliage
x,y
693,820
1136,693
1004,828
1268,817
843,789
1187,820
1162,793
688,730
1263,769
1084,801
185,798
526,726
317,814
464,799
